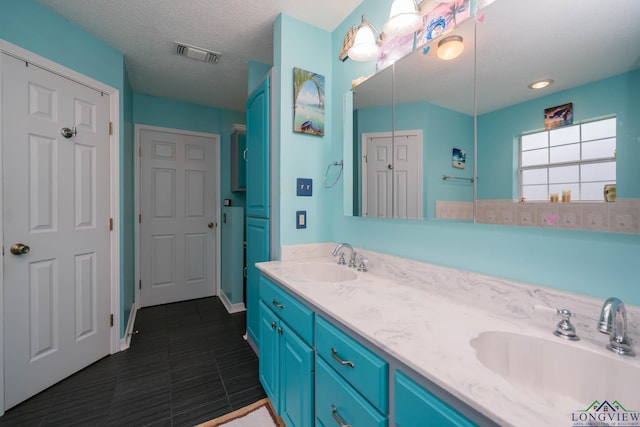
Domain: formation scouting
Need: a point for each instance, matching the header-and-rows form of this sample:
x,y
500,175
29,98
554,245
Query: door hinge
x,y
140,284
139,151
110,224
110,128
111,320
139,218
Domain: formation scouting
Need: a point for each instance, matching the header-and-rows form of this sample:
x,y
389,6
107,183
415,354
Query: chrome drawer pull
x,y
334,414
277,304
337,358
273,325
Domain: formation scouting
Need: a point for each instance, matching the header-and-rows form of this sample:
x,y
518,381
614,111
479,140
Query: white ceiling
x,y
241,30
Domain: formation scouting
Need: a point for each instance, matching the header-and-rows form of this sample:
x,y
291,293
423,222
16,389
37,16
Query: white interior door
x,y
377,175
178,230
407,175
56,201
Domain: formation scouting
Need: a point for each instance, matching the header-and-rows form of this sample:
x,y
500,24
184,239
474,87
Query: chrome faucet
x,y
613,321
338,248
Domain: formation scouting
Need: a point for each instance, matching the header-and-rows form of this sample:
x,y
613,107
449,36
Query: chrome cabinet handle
x,y
277,304
273,325
280,330
334,414
337,358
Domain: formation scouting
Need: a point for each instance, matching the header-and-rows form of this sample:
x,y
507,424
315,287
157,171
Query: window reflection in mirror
x,y
592,55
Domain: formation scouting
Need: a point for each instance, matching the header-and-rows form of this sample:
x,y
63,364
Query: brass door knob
x,y
19,249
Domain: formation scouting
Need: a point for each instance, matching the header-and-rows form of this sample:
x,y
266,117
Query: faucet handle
x,y
352,260
341,260
363,264
564,328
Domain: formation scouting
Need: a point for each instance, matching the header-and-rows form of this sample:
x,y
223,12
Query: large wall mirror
x,y
592,54
579,136
407,121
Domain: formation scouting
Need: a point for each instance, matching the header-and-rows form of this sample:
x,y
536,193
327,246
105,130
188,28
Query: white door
x,y
392,174
377,168
178,231
407,175
56,201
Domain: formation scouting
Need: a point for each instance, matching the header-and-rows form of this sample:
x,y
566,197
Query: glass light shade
x,y
365,46
403,18
450,47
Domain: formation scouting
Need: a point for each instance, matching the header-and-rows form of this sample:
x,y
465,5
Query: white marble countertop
x,y
426,317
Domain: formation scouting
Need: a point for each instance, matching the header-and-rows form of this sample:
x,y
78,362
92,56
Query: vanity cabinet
x,y
352,381
416,406
286,356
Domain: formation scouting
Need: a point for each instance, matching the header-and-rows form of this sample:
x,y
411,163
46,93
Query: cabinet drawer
x,y
417,406
294,313
338,403
365,371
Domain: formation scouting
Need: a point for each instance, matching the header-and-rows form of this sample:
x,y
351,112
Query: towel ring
x,y
335,163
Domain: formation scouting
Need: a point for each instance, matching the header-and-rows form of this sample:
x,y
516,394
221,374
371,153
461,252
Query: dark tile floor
x,y
188,364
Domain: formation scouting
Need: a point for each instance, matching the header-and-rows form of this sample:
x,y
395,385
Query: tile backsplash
x,y
621,216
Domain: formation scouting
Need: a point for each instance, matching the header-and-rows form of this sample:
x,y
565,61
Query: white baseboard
x,y
231,308
126,341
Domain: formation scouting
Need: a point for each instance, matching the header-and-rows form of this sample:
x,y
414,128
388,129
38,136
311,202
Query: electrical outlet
x,y
301,219
304,186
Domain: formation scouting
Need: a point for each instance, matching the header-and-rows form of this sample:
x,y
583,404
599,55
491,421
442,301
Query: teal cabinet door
x,y
418,407
257,235
257,154
268,363
296,380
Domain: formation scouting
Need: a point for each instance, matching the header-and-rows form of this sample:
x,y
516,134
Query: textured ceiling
x,y
241,30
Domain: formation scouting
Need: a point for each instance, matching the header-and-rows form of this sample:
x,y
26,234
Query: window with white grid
x,y
580,158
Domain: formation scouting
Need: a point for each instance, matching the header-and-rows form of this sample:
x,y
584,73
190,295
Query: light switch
x,y
301,219
304,186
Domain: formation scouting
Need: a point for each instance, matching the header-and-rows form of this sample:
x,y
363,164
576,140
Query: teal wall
x,y
499,131
560,259
27,24
300,155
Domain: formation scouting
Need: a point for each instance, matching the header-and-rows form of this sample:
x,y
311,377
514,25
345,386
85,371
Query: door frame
x,y
114,184
138,194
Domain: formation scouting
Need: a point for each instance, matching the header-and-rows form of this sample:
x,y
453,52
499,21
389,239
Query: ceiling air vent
x,y
197,53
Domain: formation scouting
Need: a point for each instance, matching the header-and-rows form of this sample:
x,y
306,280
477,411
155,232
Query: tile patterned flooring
x,y
188,364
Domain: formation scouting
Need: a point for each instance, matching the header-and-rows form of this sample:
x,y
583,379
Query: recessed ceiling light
x,y
540,84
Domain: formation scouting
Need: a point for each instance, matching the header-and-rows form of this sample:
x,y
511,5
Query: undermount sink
x,y
322,272
562,374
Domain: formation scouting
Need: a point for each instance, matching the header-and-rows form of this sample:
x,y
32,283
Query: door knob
x,y
210,225
68,133
19,249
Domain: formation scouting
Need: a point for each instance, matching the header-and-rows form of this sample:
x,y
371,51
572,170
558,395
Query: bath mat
x,y
259,414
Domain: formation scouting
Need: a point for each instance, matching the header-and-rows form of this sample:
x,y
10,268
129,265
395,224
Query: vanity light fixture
x,y
403,18
540,84
450,47
366,45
